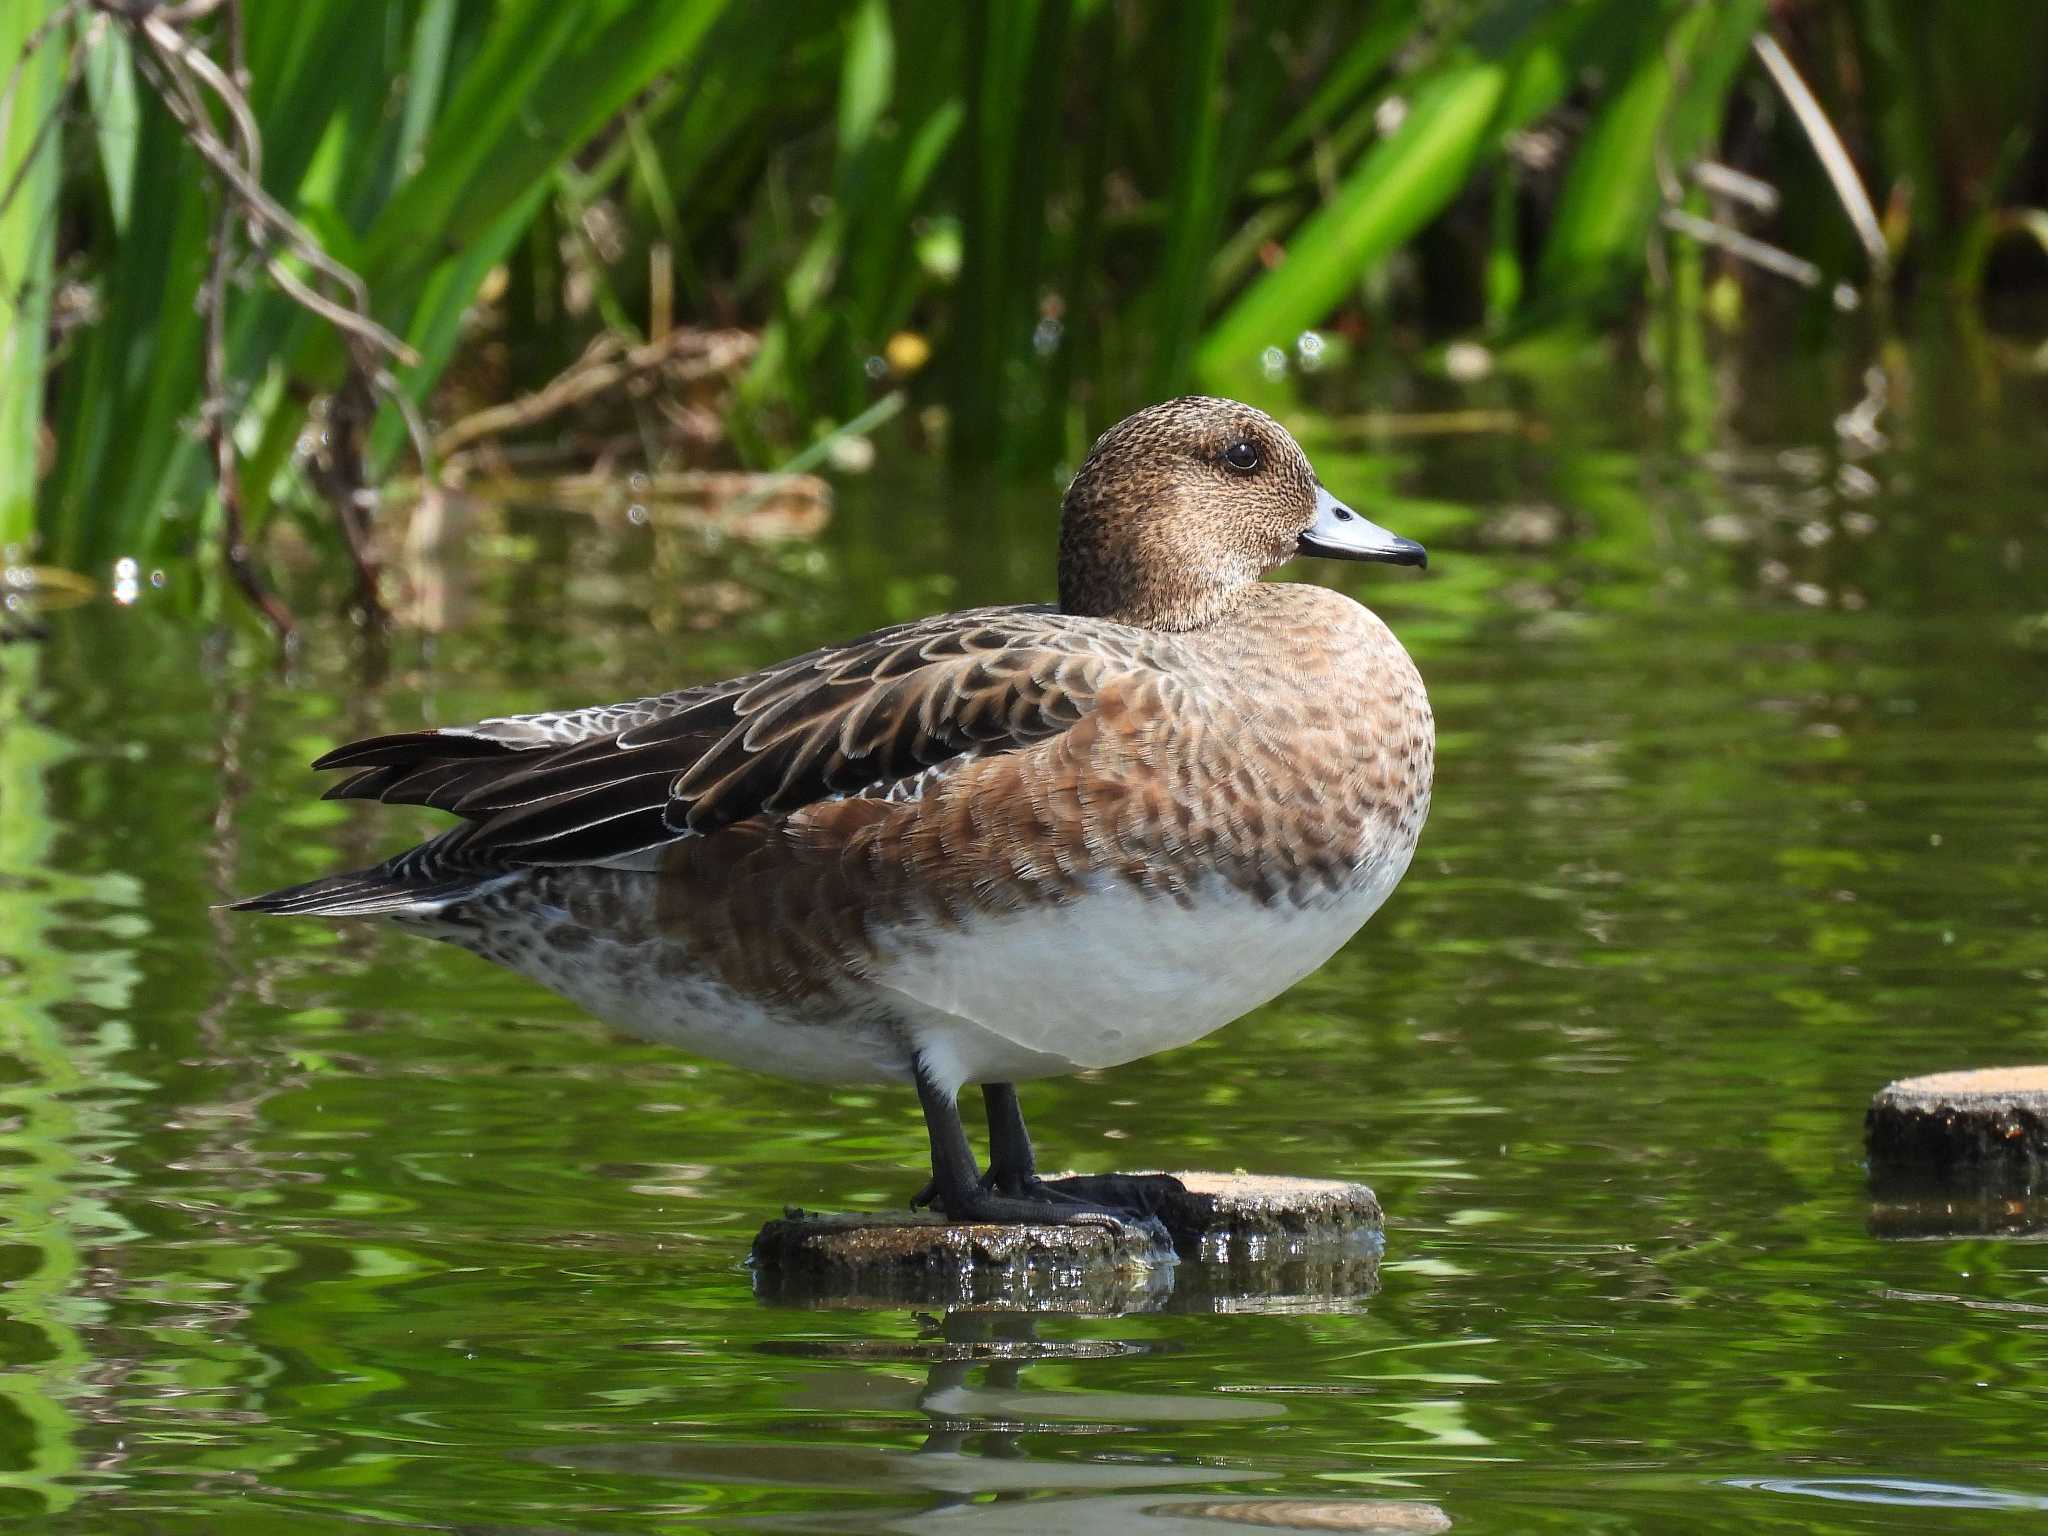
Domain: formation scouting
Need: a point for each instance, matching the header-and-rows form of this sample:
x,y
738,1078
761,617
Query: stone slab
x,y
1232,1242
1984,1131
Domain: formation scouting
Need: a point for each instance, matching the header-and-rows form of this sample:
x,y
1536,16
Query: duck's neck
x,y
1122,584
1178,614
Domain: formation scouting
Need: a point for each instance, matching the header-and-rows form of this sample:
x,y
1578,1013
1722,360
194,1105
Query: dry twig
x,y
1743,247
192,85
176,68
1827,145
605,365
218,415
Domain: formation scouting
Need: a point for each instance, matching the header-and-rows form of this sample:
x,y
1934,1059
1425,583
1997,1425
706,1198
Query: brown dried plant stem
x,y
218,414
221,438
183,76
608,364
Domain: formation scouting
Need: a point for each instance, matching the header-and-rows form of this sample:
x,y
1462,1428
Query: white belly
x,y
1106,978
650,990
707,1018
1111,976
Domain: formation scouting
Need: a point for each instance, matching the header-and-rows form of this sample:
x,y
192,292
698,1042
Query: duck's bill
x,y
1338,533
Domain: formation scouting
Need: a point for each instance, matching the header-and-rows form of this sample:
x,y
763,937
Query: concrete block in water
x,y
1960,1153
1229,1241
1986,1127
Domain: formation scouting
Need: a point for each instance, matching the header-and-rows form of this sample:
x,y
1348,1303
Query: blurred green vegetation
x,y
1068,206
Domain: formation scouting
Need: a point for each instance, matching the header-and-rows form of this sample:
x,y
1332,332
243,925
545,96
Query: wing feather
x,y
588,785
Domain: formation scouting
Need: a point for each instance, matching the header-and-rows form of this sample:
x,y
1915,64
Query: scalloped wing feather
x,y
586,786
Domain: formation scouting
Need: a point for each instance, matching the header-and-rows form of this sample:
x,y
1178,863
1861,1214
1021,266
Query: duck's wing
x,y
437,767
847,720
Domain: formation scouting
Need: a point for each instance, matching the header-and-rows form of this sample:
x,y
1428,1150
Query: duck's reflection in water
x,y
982,1463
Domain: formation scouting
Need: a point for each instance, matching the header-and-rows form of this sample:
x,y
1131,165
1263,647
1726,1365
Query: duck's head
x,y
1179,508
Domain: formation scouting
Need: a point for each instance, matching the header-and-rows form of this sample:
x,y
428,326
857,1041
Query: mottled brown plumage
x,y
951,850
1158,529
1160,787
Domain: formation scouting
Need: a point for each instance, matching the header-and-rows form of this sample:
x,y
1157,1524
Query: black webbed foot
x,y
1139,1196
985,1205
1011,1191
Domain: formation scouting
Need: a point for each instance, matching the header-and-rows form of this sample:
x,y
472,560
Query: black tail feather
x,y
362,893
411,749
441,783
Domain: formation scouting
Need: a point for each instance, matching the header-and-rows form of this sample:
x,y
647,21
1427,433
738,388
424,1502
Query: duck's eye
x,y
1242,456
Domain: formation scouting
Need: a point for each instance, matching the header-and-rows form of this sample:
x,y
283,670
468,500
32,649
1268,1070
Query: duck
x,y
982,848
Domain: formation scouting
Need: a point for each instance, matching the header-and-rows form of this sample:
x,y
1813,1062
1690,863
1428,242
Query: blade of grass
x,y
1080,354
425,75
137,382
436,327
28,233
868,78
1194,202
486,153
1664,108
1458,111
1957,97
1400,185
1503,277
1388,28
134,379
504,129
116,117
1014,65
882,187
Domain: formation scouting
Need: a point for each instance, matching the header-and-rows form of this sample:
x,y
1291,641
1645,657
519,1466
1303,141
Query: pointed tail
x,y
379,892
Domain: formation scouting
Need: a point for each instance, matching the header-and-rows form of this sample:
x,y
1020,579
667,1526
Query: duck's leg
x,y
958,1190
1012,1165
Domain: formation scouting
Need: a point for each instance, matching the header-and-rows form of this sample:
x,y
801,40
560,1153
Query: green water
x,y
1742,810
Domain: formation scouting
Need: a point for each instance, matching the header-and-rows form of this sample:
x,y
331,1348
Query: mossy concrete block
x,y
1258,1218
1984,1130
814,1259
1228,1242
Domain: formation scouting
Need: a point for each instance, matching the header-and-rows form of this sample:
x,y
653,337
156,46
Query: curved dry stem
x,y
1828,147
184,76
